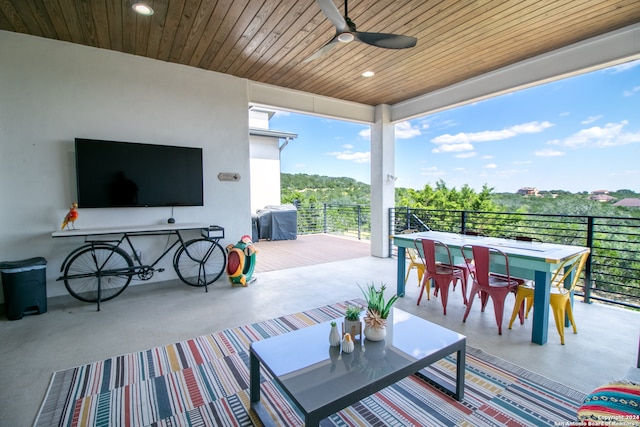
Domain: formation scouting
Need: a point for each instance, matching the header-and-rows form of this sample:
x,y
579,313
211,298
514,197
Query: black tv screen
x,y
125,174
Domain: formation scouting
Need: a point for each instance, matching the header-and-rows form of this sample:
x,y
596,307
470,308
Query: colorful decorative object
x,y
334,335
347,344
377,312
71,217
617,403
241,261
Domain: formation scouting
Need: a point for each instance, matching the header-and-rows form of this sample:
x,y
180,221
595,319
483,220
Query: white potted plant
x,y
377,312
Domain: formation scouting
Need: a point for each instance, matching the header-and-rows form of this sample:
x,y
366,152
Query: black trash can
x,y
25,287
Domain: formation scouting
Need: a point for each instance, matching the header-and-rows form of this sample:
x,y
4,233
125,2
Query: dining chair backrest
x,y
482,261
414,255
427,248
411,252
570,266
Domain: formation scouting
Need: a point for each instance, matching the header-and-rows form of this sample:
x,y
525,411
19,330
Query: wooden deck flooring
x,y
308,249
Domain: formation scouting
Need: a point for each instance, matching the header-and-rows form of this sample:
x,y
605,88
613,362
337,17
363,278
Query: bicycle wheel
x,y
99,272
200,262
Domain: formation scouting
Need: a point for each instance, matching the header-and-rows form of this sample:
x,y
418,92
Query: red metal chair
x,y
488,284
441,274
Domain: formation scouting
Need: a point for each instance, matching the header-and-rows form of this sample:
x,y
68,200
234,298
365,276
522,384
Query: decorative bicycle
x,y
101,269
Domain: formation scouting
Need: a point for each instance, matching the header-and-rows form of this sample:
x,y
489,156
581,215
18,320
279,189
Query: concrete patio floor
x,y
73,333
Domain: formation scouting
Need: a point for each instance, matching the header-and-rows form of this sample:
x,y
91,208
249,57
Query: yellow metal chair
x,y
559,299
415,261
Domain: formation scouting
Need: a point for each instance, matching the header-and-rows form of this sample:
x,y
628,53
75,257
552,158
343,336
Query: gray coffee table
x,y
321,380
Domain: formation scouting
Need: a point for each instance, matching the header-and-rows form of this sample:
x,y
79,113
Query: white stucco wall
x,y
265,172
52,92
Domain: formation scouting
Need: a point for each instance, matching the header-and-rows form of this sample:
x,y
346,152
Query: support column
x,y
382,179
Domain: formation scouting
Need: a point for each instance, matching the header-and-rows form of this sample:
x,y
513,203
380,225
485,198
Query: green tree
x,y
443,198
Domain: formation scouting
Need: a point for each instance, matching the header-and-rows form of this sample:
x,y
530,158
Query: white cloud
x,y
405,130
531,127
608,136
591,119
453,148
491,166
432,171
548,152
365,133
357,157
347,146
486,157
522,162
465,155
631,91
492,135
445,124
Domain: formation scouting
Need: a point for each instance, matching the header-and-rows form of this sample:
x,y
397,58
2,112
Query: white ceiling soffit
x,y
265,95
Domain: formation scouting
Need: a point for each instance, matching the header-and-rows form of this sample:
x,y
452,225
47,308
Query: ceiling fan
x,y
346,32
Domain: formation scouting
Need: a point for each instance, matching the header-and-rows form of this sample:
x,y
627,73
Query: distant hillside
x,y
347,191
323,189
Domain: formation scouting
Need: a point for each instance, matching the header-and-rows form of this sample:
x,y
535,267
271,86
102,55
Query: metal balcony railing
x,y
344,220
612,274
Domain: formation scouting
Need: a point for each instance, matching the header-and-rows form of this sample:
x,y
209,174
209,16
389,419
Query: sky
x,y
577,134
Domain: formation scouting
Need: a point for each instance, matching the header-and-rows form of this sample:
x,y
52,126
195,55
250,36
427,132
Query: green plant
x,y
353,313
376,304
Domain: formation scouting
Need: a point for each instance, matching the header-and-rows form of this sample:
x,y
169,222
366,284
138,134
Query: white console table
x,y
100,269
129,229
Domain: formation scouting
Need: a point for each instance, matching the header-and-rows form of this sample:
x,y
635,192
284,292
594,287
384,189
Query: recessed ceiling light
x,y
368,74
142,9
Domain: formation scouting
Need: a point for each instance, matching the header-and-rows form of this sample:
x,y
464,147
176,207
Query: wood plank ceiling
x,y
268,40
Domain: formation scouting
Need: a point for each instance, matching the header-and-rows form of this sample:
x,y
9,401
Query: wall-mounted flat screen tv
x,y
125,174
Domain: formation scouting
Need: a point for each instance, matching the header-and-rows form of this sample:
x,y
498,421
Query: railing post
x,y
408,219
463,222
324,212
587,267
392,215
359,222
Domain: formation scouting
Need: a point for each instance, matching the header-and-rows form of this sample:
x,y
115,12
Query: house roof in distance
x,y
628,202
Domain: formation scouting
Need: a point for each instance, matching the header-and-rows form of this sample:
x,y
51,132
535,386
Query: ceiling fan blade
x,y
323,50
331,11
388,41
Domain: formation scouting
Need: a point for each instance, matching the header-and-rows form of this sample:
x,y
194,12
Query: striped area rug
x,y
205,382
